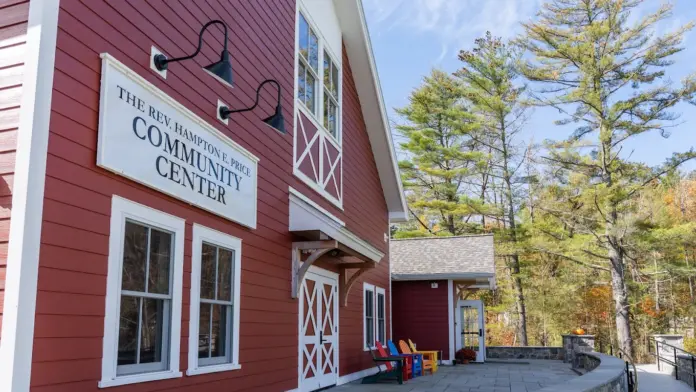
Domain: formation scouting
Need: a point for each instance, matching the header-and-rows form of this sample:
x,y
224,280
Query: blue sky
x,y
410,37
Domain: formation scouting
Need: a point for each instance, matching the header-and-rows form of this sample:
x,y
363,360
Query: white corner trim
x,y
450,317
122,209
21,279
357,375
199,234
312,203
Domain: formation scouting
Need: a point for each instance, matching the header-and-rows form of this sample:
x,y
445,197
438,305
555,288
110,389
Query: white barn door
x,y
318,356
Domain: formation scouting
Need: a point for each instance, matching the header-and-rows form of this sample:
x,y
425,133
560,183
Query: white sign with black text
x,y
150,138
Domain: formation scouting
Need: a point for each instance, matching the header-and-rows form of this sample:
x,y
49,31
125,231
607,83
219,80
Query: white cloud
x,y
454,24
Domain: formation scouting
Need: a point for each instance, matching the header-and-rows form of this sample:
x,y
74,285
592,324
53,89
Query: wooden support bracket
x,y
345,283
298,271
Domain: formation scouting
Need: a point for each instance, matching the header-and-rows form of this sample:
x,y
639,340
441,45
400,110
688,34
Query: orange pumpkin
x,y
579,331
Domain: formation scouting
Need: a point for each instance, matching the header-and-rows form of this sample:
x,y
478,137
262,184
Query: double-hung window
x,y
143,300
374,316
318,86
214,322
369,316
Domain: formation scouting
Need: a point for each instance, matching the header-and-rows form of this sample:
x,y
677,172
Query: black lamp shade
x,y
222,70
276,120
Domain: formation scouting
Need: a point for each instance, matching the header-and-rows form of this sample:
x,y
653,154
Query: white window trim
x,y
378,291
200,234
121,209
368,287
318,118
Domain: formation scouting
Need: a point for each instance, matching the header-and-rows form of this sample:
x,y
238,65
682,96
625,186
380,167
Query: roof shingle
x,y
445,256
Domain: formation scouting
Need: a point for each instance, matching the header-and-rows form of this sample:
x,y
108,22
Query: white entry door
x,y
318,359
471,328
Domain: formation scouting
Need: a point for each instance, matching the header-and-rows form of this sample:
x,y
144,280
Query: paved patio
x,y
489,377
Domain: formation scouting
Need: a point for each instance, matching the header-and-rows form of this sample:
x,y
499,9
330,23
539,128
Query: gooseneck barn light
x,y
275,121
221,70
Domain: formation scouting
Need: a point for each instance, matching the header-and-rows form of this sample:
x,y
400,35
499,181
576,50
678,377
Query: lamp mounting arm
x,y
225,112
161,60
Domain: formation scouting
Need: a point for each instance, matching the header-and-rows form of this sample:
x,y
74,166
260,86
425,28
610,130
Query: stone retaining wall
x,y
530,352
605,374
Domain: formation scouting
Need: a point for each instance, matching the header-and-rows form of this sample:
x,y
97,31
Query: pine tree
x,y
441,156
491,83
607,76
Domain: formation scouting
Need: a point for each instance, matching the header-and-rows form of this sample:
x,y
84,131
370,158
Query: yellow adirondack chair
x,y
427,355
427,363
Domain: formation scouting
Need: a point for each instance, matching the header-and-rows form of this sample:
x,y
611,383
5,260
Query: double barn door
x,y
318,331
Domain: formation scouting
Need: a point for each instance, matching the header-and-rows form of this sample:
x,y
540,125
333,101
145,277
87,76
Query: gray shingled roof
x,y
446,257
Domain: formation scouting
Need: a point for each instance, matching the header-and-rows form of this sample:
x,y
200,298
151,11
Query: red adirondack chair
x,y
407,369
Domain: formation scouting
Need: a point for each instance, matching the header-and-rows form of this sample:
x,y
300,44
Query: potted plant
x,y
465,355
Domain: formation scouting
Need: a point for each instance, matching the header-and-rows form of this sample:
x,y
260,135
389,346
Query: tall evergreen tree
x,y
441,156
608,76
491,84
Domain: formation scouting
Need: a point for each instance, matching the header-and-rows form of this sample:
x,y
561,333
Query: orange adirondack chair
x,y
427,363
427,354
407,368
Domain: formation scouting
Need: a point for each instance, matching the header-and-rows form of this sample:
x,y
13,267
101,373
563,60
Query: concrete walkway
x,y
488,377
650,379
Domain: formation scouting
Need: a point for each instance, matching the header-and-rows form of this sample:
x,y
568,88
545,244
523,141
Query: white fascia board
x,y
461,276
359,48
21,280
304,216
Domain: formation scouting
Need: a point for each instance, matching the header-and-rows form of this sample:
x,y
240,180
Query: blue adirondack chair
x,y
417,359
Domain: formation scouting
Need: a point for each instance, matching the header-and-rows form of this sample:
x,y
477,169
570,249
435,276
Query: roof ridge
x,y
443,238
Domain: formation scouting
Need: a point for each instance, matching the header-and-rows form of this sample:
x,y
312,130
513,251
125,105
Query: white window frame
x,y
203,234
371,288
122,209
380,291
320,89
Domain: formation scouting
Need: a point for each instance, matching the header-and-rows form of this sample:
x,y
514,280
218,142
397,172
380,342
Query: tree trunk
x,y
519,299
621,307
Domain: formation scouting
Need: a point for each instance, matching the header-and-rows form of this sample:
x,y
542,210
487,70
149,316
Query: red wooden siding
x,y
72,273
421,314
13,30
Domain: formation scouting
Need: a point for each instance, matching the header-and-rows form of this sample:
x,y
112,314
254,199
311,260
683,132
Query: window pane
x,y
334,81
152,330
208,255
301,83
380,331
134,257
326,110
370,340
311,83
160,258
225,258
128,331
380,306
333,120
369,304
204,331
304,36
327,71
313,51
219,337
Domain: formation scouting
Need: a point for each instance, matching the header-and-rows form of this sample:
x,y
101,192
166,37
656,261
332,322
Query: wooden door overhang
x,y
316,245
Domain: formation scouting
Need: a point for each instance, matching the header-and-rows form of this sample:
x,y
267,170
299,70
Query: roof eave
x,y
359,48
443,276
